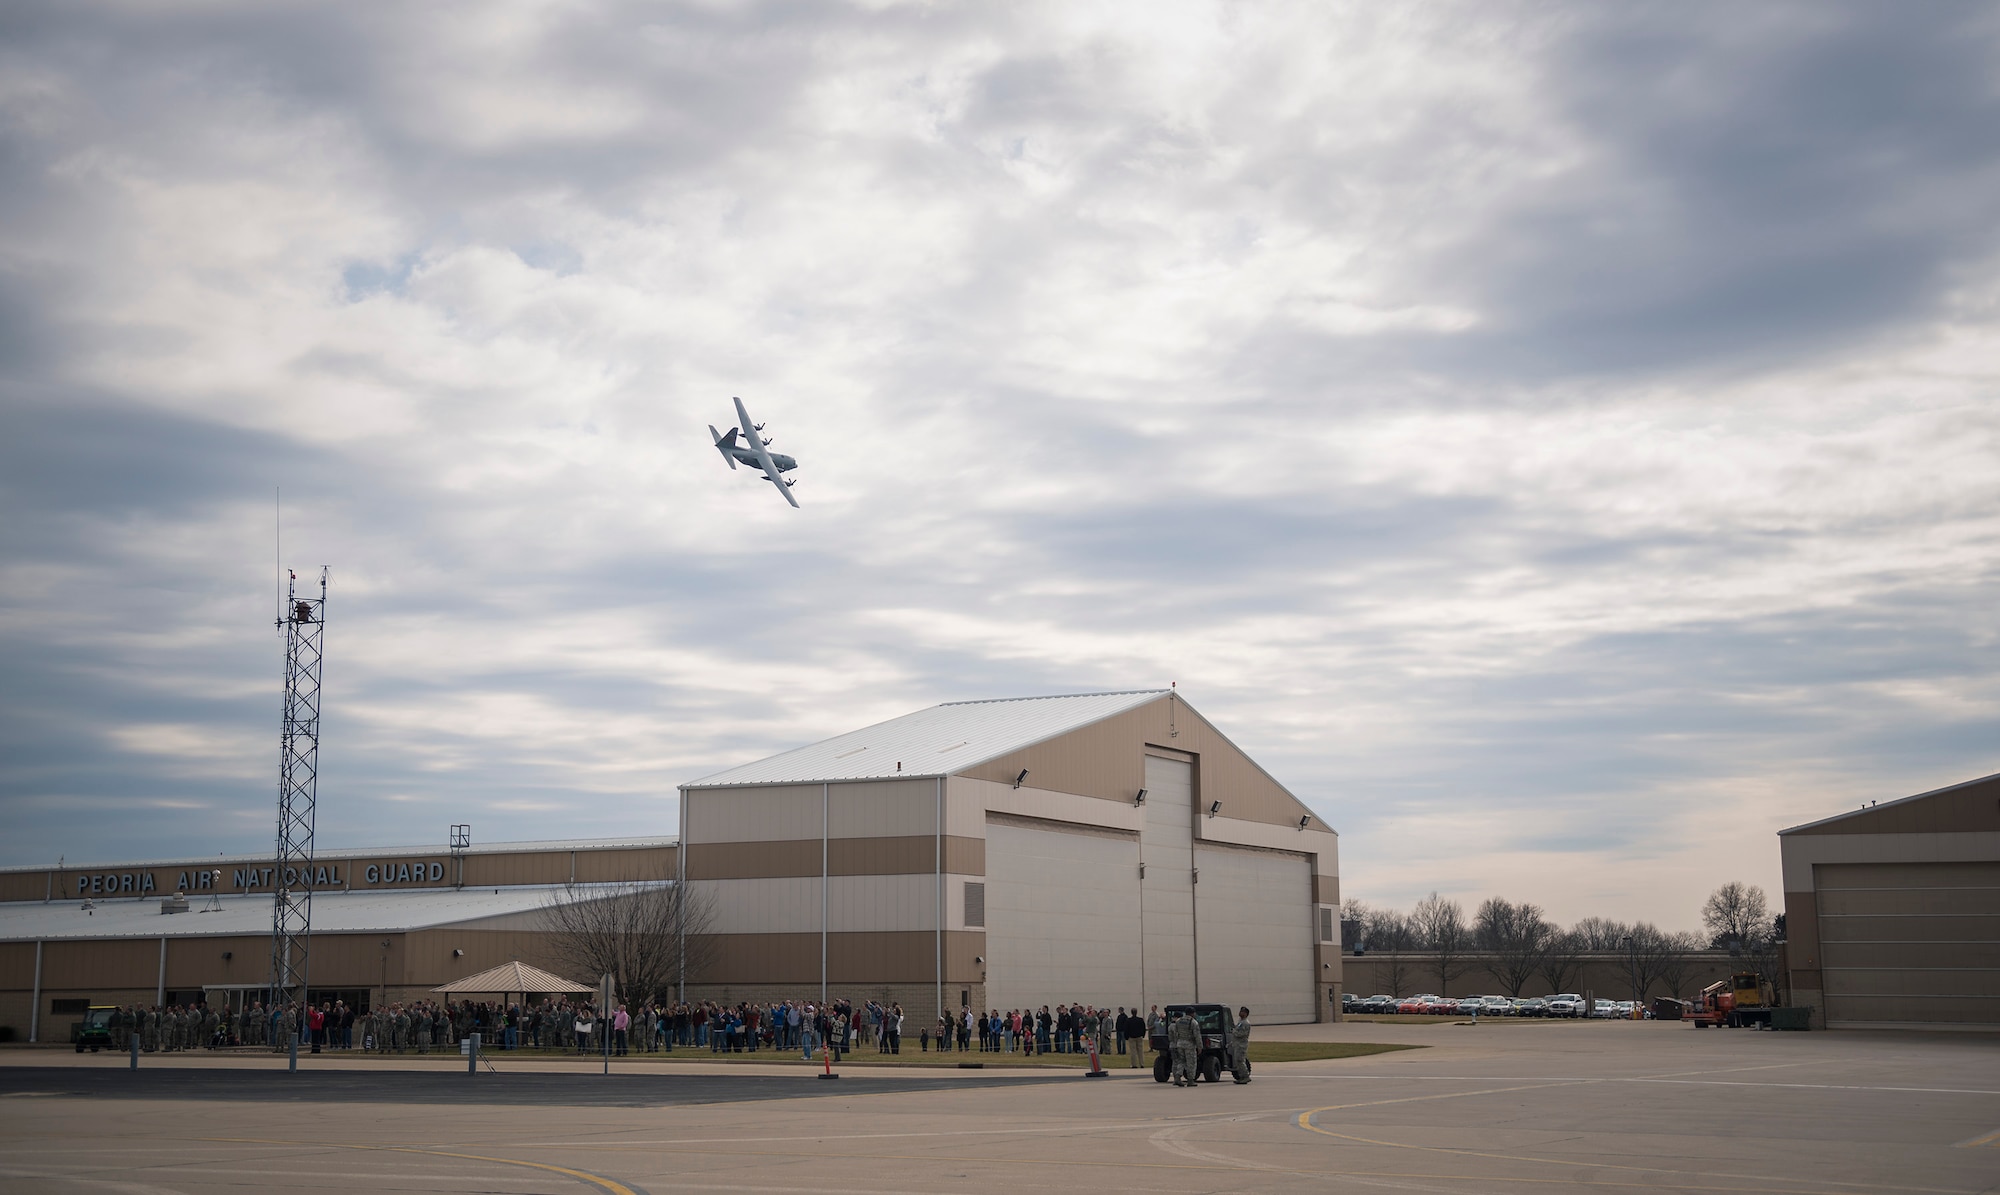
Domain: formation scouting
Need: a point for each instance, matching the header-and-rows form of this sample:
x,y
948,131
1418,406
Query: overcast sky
x,y
1559,442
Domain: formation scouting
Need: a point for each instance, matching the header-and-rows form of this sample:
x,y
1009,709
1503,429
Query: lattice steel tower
x,y
304,623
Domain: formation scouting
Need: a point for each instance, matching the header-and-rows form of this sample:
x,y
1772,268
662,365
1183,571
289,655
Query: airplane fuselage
x,y
746,457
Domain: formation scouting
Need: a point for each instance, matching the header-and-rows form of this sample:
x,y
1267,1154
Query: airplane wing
x,y
755,443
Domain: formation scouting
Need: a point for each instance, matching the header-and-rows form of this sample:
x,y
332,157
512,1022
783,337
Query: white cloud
x,y
1510,446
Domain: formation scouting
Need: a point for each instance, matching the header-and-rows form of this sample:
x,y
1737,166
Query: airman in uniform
x,y
423,1030
1184,1045
1239,1046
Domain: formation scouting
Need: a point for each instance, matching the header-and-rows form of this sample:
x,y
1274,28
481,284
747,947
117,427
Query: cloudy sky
x,y
1561,443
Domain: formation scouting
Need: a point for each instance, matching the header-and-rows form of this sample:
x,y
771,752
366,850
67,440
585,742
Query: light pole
x,y
1632,969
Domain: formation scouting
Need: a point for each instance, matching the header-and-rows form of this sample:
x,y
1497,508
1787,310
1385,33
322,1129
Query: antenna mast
x,y
303,620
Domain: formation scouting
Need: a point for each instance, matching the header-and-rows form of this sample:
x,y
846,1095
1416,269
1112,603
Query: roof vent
x,y
177,903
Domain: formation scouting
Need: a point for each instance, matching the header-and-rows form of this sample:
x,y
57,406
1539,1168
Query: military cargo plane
x,y
754,450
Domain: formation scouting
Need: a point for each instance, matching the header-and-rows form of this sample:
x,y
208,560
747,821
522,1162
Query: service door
x,y
1910,943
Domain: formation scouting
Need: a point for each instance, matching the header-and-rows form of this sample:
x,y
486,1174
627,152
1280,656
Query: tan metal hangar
x,y
1892,911
1109,848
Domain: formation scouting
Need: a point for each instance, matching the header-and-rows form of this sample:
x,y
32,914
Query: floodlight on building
x,y
1021,779
1214,807
1305,821
1140,798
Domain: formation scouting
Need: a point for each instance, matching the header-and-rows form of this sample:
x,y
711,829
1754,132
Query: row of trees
x,y
1516,942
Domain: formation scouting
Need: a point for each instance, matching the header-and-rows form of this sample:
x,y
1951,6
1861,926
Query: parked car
x,y
1379,1004
1414,1005
1442,1006
1348,1002
1496,1006
1568,1004
1535,1006
1469,1007
1623,1010
1603,1010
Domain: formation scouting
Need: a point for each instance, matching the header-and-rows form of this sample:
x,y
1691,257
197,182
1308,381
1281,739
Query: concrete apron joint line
x,y
1683,1178
610,1186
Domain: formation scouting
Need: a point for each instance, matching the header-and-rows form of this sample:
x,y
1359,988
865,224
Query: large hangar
x,y
992,854
1103,847
1892,912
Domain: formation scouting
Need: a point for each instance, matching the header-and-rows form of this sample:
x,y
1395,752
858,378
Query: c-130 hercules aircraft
x,y
755,451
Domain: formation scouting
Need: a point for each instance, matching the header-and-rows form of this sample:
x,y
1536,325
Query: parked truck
x,y
1742,999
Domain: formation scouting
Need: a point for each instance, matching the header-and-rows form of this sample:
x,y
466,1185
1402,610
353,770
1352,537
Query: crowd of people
x,y
835,1026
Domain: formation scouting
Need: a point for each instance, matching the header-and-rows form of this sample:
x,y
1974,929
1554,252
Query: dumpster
x,y
1791,1018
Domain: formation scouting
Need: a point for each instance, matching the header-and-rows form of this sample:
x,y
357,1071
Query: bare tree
x,y
1440,926
1388,935
1562,959
1386,929
1513,937
1600,933
1675,957
1762,950
645,933
1736,913
1396,972
1647,953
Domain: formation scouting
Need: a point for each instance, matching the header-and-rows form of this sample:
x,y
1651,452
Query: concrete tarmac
x,y
1537,1107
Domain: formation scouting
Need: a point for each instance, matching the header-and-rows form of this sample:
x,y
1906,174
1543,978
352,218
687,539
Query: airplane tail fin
x,y
724,443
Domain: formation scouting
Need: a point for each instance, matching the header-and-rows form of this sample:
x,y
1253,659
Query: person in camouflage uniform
x,y
1239,1046
1184,1046
421,1027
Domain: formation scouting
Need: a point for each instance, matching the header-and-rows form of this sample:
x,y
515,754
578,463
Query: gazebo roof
x,y
513,977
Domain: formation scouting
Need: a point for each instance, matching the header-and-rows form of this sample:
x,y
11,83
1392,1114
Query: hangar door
x,y
1254,931
1910,942
1062,914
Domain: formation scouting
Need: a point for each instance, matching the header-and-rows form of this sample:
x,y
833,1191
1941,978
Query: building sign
x,y
412,871
132,883
248,879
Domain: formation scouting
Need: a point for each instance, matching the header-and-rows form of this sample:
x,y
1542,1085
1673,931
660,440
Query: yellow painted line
x,y
1987,1141
610,1185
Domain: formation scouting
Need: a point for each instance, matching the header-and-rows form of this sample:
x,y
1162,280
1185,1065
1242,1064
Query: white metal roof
x,y
938,741
326,854
250,913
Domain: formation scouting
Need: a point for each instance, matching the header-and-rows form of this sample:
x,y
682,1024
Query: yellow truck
x,y
1742,999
